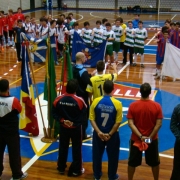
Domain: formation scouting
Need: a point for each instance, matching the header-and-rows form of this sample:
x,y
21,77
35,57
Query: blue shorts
x,y
159,59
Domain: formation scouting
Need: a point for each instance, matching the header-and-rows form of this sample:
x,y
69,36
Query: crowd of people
x,y
89,96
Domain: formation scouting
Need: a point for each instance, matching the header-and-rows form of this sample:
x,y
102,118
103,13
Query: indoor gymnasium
x,y
25,62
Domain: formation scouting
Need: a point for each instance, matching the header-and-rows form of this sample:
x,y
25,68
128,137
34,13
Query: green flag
x,y
67,73
50,92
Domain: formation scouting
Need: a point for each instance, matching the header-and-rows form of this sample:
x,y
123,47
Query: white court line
x,y
122,69
14,66
98,16
158,32
30,163
5,74
127,149
11,70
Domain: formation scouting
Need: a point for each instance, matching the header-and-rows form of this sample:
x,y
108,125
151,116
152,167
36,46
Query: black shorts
x,y
151,155
60,47
5,35
11,33
122,45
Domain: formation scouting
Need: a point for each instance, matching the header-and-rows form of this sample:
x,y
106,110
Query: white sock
x,y
135,58
142,58
158,72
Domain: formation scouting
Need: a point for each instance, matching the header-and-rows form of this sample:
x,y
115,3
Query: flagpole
x,y
37,94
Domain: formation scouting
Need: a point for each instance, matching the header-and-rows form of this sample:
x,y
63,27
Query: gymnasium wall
x,y
14,4
110,4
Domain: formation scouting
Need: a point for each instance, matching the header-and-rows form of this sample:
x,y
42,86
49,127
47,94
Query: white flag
x,y
171,65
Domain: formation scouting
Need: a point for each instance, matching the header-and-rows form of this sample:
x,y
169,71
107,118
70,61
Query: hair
x,y
60,22
4,85
164,28
140,22
19,21
68,17
108,24
98,22
62,15
44,19
72,86
76,24
79,56
10,10
167,21
86,23
145,90
27,17
121,20
137,15
19,8
172,24
165,32
108,86
104,20
52,22
2,12
130,22
70,14
178,23
100,65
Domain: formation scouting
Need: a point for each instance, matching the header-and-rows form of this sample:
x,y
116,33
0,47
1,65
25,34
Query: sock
x,y
158,72
142,58
135,58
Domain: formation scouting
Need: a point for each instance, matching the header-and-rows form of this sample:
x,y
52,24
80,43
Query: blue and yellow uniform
x,y
106,111
96,84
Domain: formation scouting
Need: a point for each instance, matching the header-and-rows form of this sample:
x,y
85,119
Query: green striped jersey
x,y
87,35
109,34
129,41
118,30
98,35
140,35
72,34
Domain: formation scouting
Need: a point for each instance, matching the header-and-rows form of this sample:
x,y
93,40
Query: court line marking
x,y
122,69
158,32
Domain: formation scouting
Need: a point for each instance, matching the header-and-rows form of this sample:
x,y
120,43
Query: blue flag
x,y
37,48
93,54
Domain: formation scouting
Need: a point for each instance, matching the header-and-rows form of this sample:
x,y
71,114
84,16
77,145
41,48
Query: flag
x,y
38,48
50,92
93,54
28,117
171,65
66,73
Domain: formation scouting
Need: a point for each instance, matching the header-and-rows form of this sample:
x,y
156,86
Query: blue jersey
x,y
106,111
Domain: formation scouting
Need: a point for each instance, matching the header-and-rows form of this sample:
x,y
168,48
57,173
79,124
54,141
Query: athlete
x,y
140,37
95,88
105,117
86,33
118,33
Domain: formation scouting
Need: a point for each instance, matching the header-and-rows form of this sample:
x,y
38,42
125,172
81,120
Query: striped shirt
x,y
87,35
98,35
109,34
175,38
129,41
118,30
140,36
72,35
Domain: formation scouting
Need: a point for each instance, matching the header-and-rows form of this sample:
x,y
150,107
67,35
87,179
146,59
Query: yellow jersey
x,y
123,37
97,82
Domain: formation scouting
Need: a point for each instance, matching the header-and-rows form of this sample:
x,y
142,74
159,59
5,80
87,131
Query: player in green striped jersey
x,y
129,43
140,37
98,34
87,33
118,30
109,33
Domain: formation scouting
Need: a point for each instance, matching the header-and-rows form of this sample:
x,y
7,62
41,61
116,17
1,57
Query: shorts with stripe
x,y
138,50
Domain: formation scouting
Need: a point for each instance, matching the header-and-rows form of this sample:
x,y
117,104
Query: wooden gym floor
x,y
46,170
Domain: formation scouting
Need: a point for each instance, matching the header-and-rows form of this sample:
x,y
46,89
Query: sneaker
x,y
134,64
22,177
117,177
142,65
78,174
